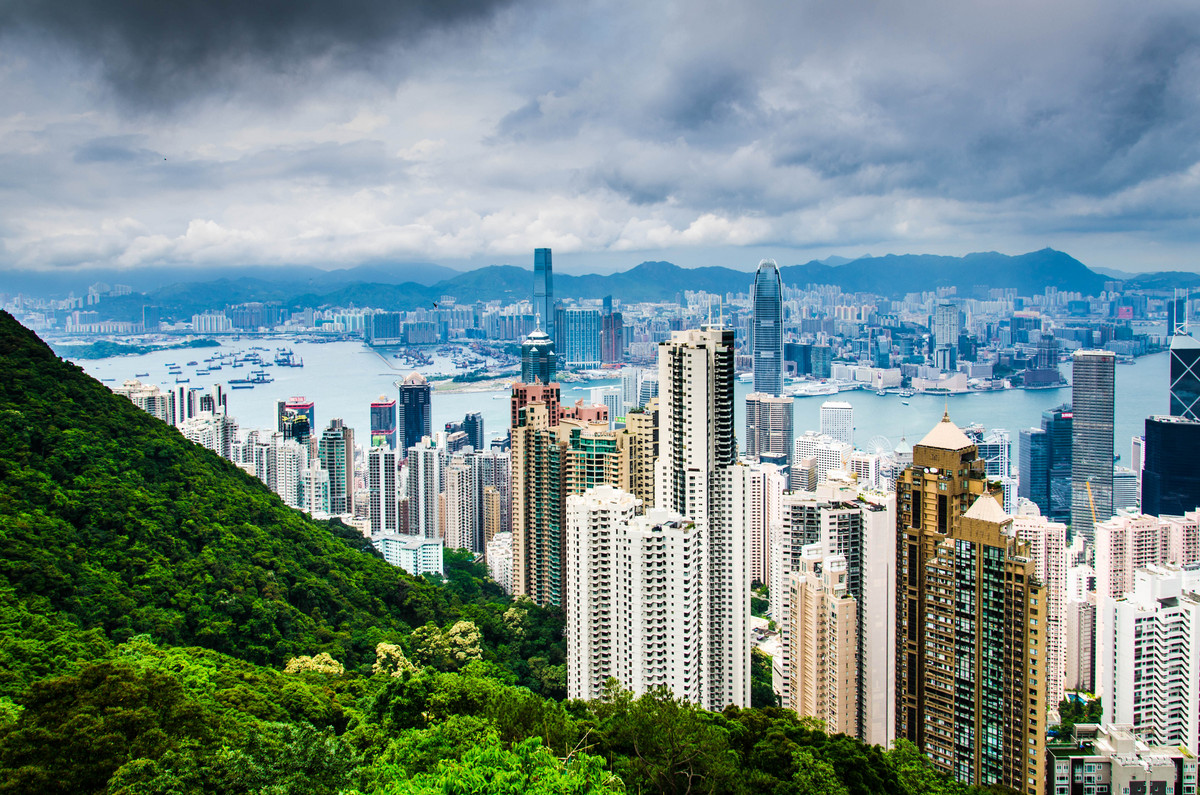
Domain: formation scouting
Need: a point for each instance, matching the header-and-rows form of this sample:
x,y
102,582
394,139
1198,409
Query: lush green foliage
x,y
168,626
1072,711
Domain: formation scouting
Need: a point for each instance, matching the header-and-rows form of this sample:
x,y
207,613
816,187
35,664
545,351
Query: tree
x,y
447,649
528,768
319,664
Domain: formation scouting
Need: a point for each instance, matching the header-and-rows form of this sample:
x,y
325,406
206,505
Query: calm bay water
x,y
344,377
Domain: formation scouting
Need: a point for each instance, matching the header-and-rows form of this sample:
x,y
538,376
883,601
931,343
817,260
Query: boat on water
x,y
192,364
881,392
182,380
255,378
108,379
241,386
141,375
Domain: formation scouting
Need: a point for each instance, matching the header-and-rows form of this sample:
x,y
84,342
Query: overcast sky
x,y
469,132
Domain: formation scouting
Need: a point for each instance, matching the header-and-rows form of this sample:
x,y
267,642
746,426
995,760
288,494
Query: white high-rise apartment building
x,y
425,477
1125,543
150,399
314,489
769,435
767,484
1048,548
1154,634
383,464
837,421
461,530
214,431
290,460
631,388
635,605
499,560
829,453
696,476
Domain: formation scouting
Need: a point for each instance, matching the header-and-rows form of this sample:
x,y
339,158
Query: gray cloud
x,y
474,131
158,54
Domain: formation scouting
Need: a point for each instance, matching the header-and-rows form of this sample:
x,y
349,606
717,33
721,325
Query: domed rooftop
x,y
415,379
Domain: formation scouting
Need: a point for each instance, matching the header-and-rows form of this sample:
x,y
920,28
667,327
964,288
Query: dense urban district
x,y
615,593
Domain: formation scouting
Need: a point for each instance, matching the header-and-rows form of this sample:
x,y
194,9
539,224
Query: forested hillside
x,y
167,625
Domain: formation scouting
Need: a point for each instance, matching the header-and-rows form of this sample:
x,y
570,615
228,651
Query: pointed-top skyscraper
x,y
1185,375
767,329
538,360
543,290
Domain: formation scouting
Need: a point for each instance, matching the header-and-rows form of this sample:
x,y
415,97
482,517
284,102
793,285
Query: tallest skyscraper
x,y
767,330
543,290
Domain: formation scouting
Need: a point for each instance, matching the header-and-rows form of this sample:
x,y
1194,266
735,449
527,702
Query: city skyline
x,y
177,137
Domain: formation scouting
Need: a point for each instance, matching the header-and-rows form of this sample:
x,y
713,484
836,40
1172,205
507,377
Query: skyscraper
x,y
611,333
473,427
837,421
543,290
969,683
383,422
577,336
336,451
1185,376
539,364
946,328
1092,402
769,435
1170,477
383,472
767,329
425,481
414,419
697,477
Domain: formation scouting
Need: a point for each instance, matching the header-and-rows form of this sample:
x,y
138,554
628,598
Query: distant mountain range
x,y
406,286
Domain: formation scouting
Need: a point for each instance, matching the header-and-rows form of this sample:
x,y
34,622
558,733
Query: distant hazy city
x,y
966,587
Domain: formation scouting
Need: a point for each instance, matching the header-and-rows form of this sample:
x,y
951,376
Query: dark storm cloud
x,y
160,52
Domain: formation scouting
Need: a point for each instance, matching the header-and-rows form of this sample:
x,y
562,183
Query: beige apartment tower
x,y
823,616
970,672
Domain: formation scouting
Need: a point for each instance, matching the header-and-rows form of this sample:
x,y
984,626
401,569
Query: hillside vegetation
x,y
167,625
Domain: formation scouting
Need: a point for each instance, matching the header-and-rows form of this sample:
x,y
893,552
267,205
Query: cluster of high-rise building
x,y
924,592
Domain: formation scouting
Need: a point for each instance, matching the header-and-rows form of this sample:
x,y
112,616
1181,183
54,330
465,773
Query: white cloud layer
x,y
470,133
